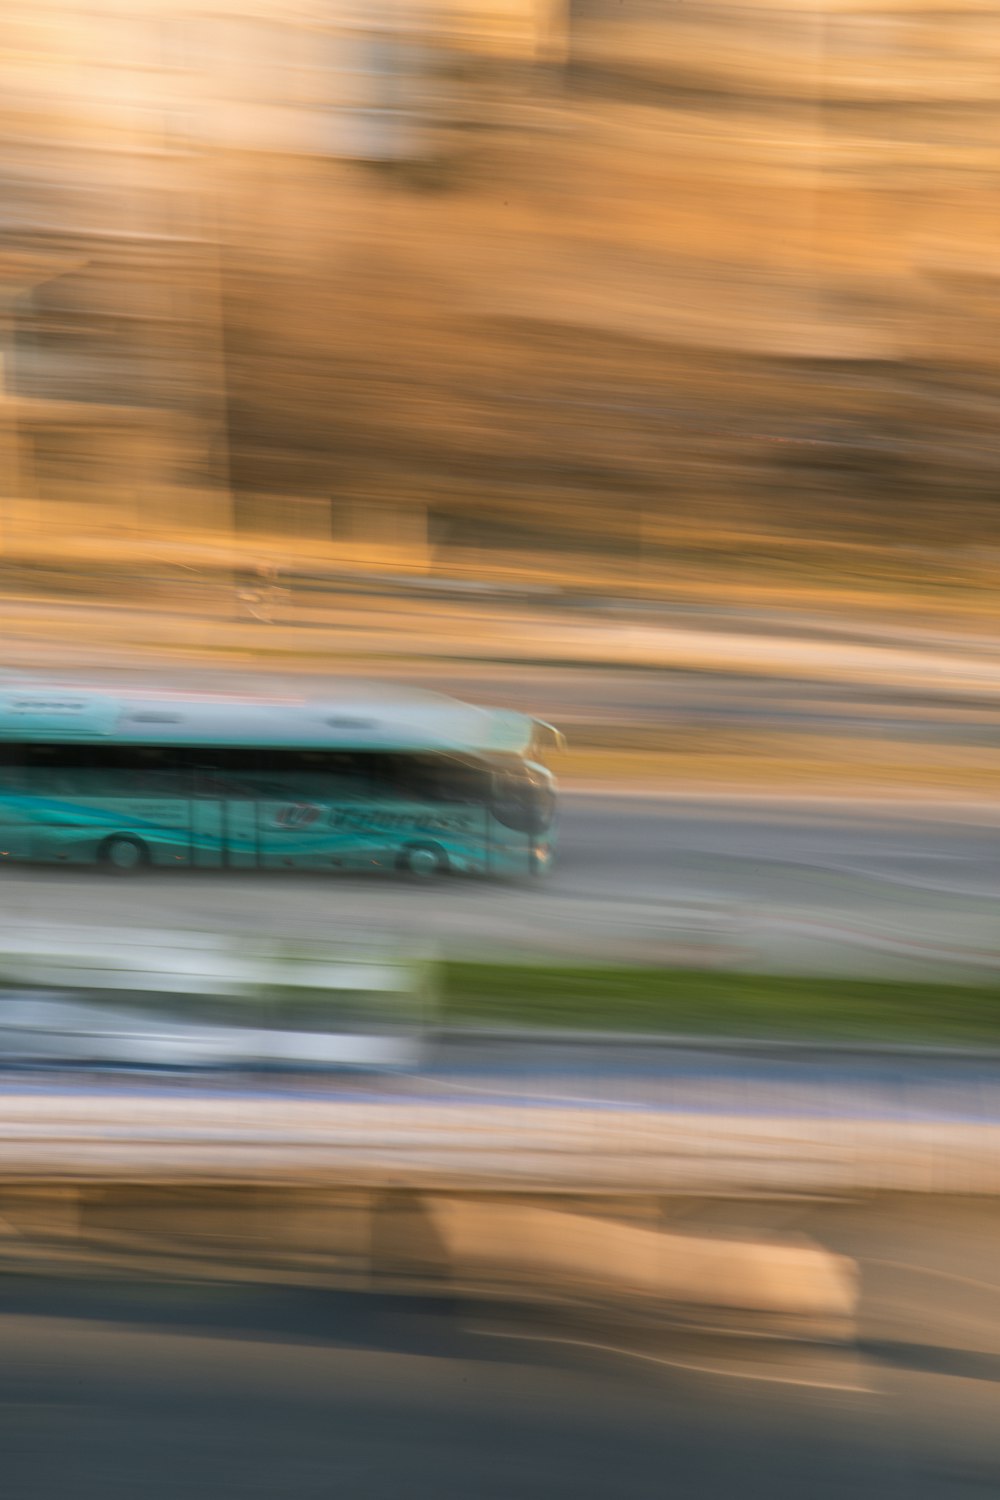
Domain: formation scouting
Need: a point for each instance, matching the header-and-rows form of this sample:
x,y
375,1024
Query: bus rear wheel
x,y
422,861
123,856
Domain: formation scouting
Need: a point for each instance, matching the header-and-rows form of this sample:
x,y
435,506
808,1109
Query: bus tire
x,y
422,861
123,855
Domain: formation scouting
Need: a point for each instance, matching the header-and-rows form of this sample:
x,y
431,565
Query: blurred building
x,y
558,274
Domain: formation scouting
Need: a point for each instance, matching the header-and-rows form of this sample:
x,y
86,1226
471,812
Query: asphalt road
x,y
722,1079
117,1389
806,886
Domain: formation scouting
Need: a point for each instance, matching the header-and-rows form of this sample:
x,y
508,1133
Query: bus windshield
x,y
523,800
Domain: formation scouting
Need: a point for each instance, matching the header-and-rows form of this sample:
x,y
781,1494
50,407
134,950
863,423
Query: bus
x,y
370,780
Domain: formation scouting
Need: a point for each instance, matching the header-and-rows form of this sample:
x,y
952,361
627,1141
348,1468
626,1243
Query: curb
x,y
685,1042
888,800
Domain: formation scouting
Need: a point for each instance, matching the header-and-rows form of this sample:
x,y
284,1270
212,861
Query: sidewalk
x,y
549,1147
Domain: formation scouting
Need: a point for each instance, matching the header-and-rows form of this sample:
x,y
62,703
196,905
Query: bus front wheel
x,y
123,856
422,861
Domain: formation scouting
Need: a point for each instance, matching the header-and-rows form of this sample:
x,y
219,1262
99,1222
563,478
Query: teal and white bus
x,y
370,780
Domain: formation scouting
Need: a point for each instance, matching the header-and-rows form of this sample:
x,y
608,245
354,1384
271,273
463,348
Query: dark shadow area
x,y
286,1315
385,875
559,1332
933,1359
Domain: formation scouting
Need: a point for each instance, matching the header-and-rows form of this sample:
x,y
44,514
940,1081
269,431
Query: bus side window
x,y
402,778
430,778
150,771
65,770
224,774
11,767
389,778
312,775
459,782
102,771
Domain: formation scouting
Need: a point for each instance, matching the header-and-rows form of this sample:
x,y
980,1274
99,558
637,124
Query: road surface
x,y
162,1390
750,883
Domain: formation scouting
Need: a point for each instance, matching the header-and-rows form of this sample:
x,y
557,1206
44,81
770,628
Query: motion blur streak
x,y
624,289
499,972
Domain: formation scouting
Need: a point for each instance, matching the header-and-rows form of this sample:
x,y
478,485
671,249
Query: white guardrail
x,y
81,994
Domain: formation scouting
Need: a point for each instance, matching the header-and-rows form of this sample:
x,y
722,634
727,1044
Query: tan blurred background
x,y
599,289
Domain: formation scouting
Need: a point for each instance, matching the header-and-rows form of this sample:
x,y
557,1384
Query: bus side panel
x,y
510,851
15,830
368,836
295,835
163,824
207,833
71,830
50,829
379,834
240,818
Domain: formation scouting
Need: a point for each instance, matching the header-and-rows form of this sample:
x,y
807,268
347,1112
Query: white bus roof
x,y
353,717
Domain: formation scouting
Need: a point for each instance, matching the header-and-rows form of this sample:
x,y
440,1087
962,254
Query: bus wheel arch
x,y
422,861
123,854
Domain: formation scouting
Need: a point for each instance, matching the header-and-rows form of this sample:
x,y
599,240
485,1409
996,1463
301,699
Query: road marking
x,y
676,1364
900,1265
508,1094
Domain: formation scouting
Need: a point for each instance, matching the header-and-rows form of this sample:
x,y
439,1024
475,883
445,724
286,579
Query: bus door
x,y
239,826
223,821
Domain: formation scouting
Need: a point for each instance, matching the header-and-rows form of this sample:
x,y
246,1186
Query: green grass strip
x,y
719,1004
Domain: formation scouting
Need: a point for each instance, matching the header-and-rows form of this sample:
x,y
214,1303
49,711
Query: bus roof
x,y
372,718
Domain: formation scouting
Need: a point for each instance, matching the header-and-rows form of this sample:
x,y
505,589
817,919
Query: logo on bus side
x,y
299,815
368,820
376,820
